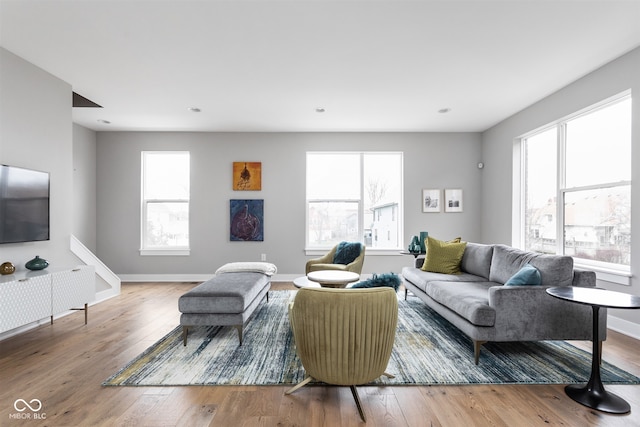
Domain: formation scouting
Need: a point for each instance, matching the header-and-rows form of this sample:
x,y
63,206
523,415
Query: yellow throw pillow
x,y
444,257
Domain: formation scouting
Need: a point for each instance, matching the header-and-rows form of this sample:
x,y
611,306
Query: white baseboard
x,y
105,295
623,326
199,277
165,277
190,277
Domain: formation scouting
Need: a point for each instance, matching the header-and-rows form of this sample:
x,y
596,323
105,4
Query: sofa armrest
x,y
324,259
528,312
512,297
584,278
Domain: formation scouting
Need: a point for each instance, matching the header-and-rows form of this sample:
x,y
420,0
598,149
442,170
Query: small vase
x,y
7,268
423,244
414,246
37,264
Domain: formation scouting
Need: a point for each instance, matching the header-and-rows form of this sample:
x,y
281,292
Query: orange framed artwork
x,y
247,176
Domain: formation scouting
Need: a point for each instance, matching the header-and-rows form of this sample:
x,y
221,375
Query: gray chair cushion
x,y
225,293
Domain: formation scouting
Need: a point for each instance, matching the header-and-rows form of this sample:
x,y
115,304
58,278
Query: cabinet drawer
x,y
72,289
24,301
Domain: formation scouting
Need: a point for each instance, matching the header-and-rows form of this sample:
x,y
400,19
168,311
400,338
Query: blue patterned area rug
x,y
428,350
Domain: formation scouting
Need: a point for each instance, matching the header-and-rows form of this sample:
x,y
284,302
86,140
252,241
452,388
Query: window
x,y
576,186
165,203
354,197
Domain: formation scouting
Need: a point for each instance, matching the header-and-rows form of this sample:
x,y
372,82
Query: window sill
x,y
368,251
165,252
619,277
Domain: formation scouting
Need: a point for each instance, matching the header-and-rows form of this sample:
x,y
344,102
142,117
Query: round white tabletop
x,y
333,278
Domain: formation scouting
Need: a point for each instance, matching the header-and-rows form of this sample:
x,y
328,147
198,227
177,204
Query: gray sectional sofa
x,y
479,304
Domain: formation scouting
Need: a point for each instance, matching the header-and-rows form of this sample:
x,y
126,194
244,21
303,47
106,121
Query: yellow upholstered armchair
x,y
326,262
344,336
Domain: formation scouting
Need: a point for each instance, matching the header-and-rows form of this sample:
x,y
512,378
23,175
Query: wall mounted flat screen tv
x,y
24,205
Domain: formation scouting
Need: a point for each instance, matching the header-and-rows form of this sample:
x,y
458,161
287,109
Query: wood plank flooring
x,y
63,365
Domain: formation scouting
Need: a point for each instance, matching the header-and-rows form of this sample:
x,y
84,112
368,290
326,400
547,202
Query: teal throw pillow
x,y
387,279
527,275
346,252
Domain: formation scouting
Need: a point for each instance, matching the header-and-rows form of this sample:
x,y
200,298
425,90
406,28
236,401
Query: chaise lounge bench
x,y
227,299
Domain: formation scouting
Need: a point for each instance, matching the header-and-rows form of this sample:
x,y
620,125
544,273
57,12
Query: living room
x,y
95,175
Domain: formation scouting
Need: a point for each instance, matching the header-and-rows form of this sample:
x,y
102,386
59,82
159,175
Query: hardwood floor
x,y
64,364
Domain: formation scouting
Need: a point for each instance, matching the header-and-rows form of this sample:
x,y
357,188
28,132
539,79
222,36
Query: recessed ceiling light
x,y
320,110
444,110
104,122
194,109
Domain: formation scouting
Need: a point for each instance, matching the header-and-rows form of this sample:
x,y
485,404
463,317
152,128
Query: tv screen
x,y
24,205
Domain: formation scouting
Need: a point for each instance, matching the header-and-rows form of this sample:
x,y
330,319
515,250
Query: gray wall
x,y
35,133
430,161
498,143
84,186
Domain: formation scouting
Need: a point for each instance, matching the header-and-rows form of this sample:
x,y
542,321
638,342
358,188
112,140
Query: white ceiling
x,y
267,65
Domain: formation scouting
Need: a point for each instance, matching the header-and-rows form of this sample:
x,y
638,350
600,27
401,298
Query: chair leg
x,y
354,391
299,385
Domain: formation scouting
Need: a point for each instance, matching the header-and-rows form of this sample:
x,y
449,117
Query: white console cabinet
x,y
28,297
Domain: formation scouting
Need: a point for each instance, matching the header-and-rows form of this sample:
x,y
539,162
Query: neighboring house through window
x,y
576,187
354,196
165,203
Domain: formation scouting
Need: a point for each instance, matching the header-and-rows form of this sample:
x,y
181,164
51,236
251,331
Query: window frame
x,y
144,203
321,250
617,273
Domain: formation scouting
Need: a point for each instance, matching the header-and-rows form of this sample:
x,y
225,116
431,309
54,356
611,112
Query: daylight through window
x,y
165,202
576,182
354,197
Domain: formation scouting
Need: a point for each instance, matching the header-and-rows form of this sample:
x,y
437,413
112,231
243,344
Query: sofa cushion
x,y
468,299
477,259
555,270
443,257
421,278
527,275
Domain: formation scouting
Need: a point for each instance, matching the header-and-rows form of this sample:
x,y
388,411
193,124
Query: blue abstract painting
x,y
247,220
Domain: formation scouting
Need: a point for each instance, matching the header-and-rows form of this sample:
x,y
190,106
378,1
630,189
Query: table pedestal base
x,y
601,399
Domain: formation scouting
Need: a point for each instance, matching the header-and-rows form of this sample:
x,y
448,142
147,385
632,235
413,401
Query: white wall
x,y
84,186
498,144
430,161
35,133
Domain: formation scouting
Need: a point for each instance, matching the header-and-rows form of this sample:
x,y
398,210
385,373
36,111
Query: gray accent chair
x,y
477,302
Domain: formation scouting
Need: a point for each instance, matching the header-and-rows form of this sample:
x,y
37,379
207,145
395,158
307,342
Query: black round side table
x,y
593,395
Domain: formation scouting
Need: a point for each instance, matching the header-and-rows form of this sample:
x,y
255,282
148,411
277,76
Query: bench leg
x,y
476,350
185,331
239,328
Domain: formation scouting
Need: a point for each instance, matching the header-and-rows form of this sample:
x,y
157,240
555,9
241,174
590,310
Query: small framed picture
x,y
247,176
431,200
453,200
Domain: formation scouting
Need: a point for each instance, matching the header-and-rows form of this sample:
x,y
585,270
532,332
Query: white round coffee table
x,y
333,278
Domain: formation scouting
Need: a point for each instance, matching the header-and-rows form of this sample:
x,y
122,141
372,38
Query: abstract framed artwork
x,y
246,220
247,176
431,200
453,200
